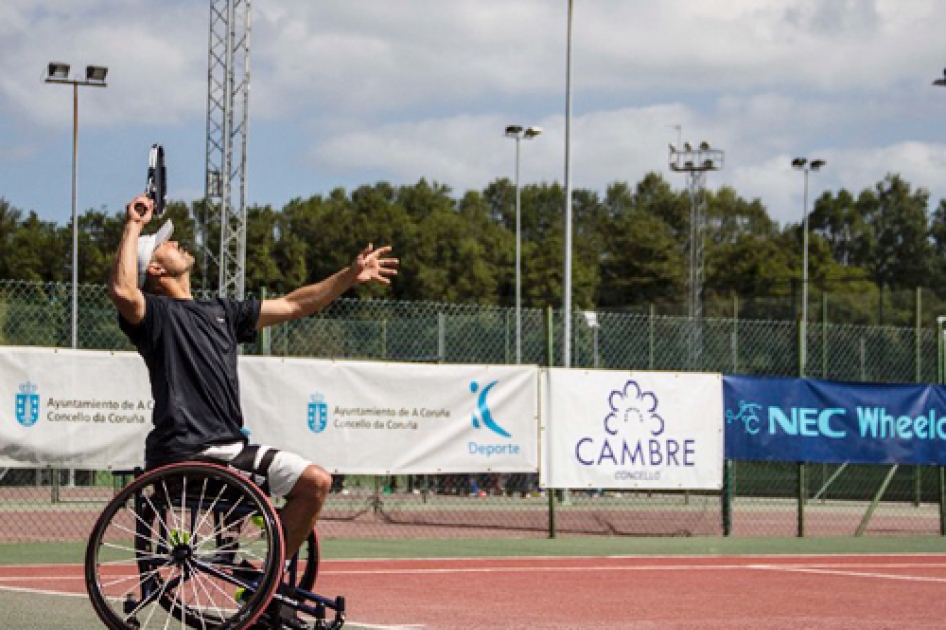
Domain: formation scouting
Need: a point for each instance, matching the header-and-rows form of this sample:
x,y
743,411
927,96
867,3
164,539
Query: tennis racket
x,y
156,185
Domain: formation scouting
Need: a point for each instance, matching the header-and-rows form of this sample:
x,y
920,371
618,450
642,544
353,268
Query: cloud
x,y
366,90
156,55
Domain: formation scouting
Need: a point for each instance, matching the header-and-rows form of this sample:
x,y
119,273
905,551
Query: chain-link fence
x,y
759,498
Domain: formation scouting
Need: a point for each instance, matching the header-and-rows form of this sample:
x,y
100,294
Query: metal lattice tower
x,y
695,163
228,91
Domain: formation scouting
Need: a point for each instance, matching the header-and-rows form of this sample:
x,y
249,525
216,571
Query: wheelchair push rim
x,y
185,545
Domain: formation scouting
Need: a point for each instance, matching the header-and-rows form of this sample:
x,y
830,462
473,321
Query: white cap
x,y
146,247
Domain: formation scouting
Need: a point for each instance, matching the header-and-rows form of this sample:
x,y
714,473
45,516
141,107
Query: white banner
x,y
88,409
73,408
384,418
649,430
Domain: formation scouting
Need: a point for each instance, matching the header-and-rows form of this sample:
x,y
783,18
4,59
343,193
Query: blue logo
x,y
27,404
631,408
748,415
483,414
633,438
318,413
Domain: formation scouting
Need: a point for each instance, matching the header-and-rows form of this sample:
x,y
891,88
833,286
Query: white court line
x,y
840,568
36,591
369,626
876,576
695,556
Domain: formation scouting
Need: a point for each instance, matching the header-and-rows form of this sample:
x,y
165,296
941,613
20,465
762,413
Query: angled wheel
x,y
190,544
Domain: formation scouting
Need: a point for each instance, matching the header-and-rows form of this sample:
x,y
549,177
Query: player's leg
x,y
304,485
303,504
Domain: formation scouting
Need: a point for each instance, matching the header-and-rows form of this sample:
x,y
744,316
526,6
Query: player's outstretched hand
x,y
371,264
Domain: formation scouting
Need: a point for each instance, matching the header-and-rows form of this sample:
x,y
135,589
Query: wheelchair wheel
x,y
188,544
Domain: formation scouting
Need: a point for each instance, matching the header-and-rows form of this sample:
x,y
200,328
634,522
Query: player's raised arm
x,y
123,286
370,265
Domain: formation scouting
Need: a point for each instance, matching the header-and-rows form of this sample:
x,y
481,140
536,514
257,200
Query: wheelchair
x,y
198,545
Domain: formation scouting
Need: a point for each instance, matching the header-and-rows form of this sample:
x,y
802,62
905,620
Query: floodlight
x,y
532,132
95,74
704,146
57,71
513,131
799,162
816,164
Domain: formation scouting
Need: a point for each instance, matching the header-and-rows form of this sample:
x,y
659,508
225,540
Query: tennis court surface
x,y
795,590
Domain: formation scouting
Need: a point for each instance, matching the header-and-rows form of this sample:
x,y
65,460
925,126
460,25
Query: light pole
x,y
58,72
695,163
519,134
802,164
567,272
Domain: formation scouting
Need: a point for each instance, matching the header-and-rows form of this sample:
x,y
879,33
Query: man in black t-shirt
x,y
191,346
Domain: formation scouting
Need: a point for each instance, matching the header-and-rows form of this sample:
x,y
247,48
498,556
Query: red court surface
x,y
643,592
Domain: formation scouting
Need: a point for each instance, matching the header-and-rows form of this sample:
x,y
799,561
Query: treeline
x,y
629,243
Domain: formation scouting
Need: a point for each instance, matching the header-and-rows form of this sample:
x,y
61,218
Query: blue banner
x,y
807,420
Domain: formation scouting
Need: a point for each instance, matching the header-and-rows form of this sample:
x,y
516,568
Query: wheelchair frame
x,y
198,530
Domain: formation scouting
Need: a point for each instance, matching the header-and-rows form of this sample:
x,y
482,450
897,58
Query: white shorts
x,y
281,474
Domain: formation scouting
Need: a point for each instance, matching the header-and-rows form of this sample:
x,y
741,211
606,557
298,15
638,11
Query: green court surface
x,y
32,611
73,553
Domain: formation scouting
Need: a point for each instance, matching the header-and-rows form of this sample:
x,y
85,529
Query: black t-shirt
x,y
191,349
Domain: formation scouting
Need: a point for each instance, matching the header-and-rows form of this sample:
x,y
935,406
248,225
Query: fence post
x,y
942,500
651,320
800,349
917,485
727,496
441,337
550,361
265,337
735,334
917,330
824,334
54,485
384,338
802,494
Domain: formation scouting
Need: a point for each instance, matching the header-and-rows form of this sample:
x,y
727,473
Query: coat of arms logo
x,y
318,413
27,404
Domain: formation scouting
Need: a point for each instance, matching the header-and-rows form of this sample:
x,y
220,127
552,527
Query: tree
x,y
641,257
838,221
9,224
895,246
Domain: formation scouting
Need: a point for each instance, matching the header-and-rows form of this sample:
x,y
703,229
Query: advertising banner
x,y
809,420
384,418
88,409
648,430
73,408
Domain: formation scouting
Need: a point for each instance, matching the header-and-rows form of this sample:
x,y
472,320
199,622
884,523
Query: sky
x,y
351,93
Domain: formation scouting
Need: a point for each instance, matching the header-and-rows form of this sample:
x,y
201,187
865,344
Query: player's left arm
x,y
370,265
